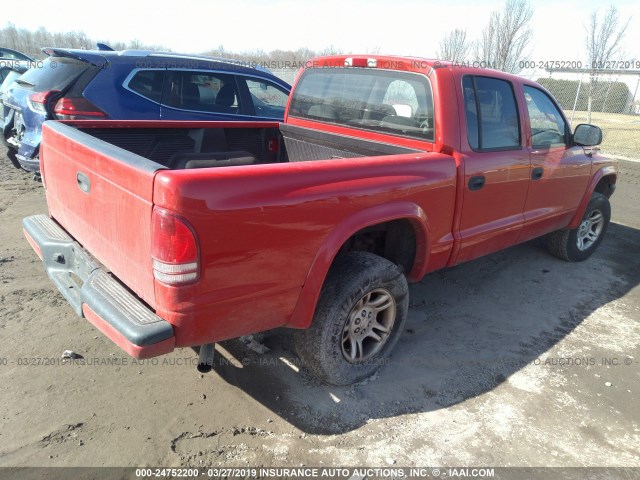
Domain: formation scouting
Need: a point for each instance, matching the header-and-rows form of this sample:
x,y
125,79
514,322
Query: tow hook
x,y
205,357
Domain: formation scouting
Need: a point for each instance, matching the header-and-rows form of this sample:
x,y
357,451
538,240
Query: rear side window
x,y
393,102
268,99
56,73
148,83
201,92
491,114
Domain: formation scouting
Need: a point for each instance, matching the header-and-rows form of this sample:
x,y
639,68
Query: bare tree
x,y
454,46
604,39
31,42
331,50
10,36
603,44
275,58
136,44
506,37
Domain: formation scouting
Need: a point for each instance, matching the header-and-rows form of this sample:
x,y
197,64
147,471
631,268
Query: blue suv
x,y
133,85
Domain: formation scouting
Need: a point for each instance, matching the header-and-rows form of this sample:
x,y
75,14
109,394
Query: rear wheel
x,y
359,317
579,244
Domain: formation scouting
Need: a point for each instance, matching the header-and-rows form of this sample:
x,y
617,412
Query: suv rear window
x,y
393,102
55,74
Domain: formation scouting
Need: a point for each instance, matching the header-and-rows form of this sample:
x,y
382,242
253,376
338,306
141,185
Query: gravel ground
x,y
516,359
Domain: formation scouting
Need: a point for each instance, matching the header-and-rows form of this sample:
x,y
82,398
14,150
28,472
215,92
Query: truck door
x,y
496,167
560,172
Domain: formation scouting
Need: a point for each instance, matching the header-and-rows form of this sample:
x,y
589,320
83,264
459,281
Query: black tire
x,y
570,245
356,279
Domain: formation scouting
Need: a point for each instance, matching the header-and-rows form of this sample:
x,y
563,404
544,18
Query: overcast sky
x,y
408,27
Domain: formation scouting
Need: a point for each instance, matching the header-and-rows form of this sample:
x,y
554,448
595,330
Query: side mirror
x,y
587,135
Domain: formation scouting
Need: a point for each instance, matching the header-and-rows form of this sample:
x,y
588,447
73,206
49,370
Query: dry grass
x,y
621,133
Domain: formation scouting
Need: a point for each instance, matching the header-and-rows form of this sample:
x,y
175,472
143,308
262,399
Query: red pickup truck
x,y
174,234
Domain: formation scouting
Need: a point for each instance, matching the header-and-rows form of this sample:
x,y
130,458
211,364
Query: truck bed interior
x,y
181,148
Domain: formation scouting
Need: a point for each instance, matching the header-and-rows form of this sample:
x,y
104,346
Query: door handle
x,y
476,183
536,173
84,183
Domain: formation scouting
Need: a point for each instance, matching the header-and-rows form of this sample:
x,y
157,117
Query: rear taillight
x,y
38,101
174,249
77,108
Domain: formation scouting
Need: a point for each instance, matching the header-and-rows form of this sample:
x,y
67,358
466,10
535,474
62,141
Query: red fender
x,y
599,175
305,308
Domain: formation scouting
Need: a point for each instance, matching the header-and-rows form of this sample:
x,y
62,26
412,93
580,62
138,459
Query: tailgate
x,y
102,196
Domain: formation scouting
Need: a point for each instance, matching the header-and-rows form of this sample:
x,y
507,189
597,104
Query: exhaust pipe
x,y
205,357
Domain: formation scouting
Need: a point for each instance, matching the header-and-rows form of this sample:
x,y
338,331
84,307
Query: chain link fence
x,y
286,74
613,101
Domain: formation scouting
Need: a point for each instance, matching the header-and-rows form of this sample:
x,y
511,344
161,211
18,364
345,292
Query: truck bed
x,y
210,146
281,208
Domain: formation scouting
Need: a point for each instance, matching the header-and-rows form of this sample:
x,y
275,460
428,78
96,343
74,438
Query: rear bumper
x,y
96,295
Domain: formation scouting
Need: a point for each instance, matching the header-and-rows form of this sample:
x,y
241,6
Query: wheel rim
x,y
368,325
589,230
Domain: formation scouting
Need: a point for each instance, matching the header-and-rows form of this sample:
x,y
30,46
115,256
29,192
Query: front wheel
x,y
359,317
578,244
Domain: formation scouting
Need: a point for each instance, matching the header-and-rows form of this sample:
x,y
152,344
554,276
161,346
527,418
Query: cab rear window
x,y
392,102
491,112
55,73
